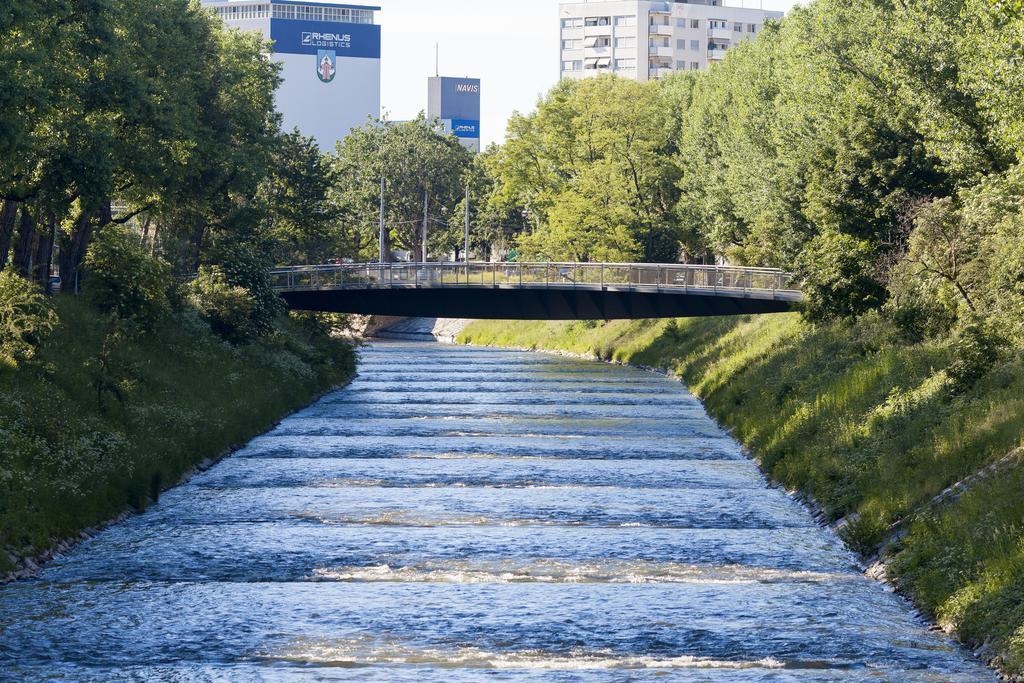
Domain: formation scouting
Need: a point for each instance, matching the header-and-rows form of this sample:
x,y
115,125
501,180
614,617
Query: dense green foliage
x,y
415,163
126,281
26,318
139,144
154,117
871,427
871,147
100,422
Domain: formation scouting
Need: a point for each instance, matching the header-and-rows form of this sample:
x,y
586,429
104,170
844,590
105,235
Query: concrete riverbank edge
x,y
875,563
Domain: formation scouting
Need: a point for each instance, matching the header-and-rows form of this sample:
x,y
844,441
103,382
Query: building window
x,y
575,22
329,14
597,41
625,21
625,64
680,44
572,44
597,21
695,45
694,23
738,28
694,66
751,28
572,65
626,42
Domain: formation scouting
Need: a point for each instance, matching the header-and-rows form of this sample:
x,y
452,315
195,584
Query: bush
x,y
246,265
838,277
126,281
227,308
26,319
975,351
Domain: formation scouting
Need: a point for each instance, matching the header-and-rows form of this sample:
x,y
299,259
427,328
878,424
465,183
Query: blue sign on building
x,y
463,128
299,37
456,102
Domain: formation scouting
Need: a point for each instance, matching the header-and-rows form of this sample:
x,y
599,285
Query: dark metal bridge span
x,y
536,291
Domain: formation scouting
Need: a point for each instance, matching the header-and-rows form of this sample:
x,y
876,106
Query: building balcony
x,y
717,54
659,71
597,31
597,51
722,33
660,30
661,51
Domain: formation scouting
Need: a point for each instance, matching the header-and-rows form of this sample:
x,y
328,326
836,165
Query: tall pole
x,y
467,224
426,212
383,246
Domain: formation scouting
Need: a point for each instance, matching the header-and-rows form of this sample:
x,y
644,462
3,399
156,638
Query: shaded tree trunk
x,y
24,250
8,216
73,252
44,252
198,235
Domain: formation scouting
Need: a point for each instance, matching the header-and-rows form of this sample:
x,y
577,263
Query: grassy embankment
x,y
91,429
869,427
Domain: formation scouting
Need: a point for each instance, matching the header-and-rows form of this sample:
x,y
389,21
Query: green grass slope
x,y
93,429
869,427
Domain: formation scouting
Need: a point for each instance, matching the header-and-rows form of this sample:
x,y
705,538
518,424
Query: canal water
x,y
468,514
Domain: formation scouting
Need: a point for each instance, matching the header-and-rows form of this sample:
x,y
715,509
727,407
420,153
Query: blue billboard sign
x,y
462,128
460,99
300,37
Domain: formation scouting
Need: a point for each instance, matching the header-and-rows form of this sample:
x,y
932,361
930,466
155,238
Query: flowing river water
x,y
466,514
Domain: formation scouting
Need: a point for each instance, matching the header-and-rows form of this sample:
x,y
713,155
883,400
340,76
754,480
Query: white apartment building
x,y
330,58
645,39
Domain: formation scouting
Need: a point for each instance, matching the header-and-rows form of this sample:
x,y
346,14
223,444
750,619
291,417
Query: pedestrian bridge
x,y
536,291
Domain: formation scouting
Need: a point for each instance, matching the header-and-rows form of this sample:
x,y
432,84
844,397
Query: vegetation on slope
x,y
872,427
98,423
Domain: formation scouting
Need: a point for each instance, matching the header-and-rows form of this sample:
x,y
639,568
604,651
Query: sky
x,y
512,45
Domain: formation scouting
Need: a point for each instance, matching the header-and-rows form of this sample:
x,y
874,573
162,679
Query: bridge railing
x,y
640,276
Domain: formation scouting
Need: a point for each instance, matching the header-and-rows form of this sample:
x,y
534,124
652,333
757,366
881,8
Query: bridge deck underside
x,y
530,304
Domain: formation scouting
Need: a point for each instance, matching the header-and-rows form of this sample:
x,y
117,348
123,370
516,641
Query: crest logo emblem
x,y
326,65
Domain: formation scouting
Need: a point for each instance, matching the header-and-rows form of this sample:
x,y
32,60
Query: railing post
x,y
602,277
494,274
520,275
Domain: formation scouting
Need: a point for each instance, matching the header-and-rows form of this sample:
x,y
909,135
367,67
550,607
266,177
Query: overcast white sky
x,y
512,45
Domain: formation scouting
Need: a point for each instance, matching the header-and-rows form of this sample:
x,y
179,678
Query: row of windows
x,y
598,41
694,45
336,14
598,63
580,22
244,12
305,12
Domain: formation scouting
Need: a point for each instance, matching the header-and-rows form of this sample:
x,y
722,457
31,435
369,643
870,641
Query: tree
x,y
589,171
414,159
26,319
942,250
304,221
836,276
126,281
